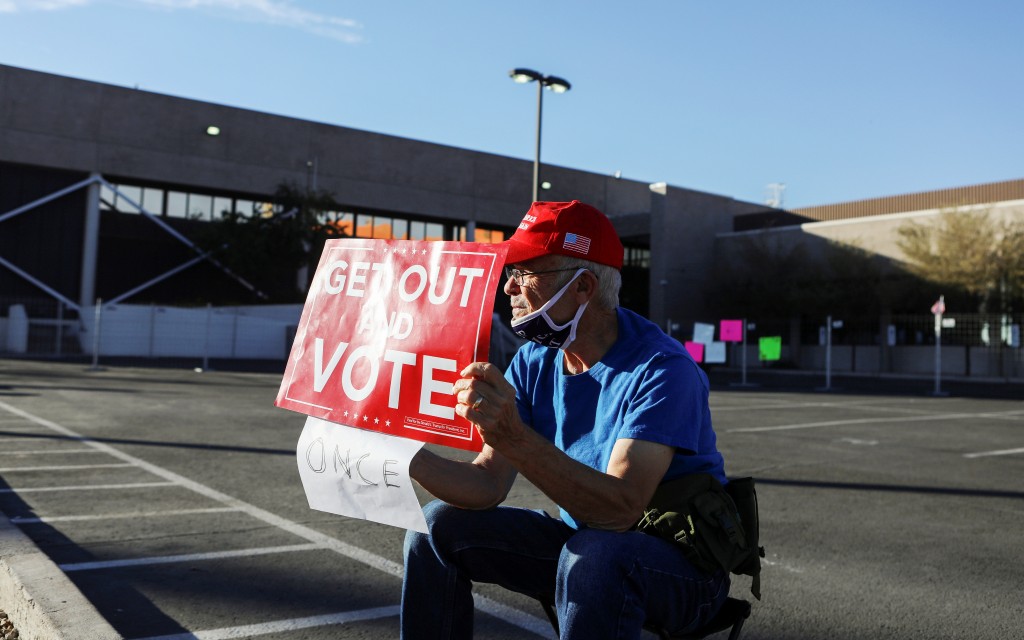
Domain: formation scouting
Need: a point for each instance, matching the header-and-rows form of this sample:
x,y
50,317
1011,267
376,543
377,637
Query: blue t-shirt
x,y
646,387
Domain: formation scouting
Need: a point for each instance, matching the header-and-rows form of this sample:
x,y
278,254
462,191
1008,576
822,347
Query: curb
x,y
42,603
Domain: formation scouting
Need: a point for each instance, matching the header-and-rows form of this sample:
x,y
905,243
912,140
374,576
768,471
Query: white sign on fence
x,y
714,353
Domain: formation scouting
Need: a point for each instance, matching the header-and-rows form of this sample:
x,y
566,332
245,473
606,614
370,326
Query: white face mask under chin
x,y
537,326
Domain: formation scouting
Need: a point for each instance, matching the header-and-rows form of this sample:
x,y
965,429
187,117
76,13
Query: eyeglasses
x,y
518,274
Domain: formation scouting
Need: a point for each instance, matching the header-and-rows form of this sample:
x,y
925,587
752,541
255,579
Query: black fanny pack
x,y
715,526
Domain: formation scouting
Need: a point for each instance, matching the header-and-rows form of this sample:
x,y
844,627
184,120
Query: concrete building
x,y
124,147
104,191
845,263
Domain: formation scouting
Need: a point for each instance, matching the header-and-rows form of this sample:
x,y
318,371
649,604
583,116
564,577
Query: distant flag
x,y
939,307
577,243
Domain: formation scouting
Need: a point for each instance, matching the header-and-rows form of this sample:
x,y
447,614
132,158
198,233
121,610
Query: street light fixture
x,y
553,83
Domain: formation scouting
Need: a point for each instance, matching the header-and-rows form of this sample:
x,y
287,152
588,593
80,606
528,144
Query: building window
x,y
382,228
125,198
246,208
401,229
637,257
345,222
209,207
107,198
434,231
222,206
416,230
493,236
364,226
153,200
128,198
177,204
200,207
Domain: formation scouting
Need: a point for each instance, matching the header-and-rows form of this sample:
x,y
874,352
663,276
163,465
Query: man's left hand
x,y
485,398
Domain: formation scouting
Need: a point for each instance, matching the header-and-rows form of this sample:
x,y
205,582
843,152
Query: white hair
x,y
609,280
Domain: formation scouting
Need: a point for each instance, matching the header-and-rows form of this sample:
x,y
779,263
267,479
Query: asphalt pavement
x,y
147,503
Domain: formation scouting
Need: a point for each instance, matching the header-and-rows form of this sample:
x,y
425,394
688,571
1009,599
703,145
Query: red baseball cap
x,y
571,229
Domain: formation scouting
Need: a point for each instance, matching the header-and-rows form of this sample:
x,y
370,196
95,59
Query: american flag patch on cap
x,y
577,243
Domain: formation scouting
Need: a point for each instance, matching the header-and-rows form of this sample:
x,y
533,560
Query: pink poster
x,y
386,329
696,350
731,331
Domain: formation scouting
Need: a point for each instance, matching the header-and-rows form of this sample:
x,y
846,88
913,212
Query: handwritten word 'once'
x,y
316,458
400,359
340,278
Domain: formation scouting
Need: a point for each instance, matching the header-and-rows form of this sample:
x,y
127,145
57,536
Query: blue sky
x,y
837,100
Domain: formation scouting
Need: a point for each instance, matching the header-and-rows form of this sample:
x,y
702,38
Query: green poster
x,y
770,348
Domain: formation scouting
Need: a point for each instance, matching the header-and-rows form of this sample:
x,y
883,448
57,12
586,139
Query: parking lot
x,y
171,500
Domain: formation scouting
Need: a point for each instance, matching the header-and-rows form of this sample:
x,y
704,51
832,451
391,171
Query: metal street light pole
x,y
554,83
536,153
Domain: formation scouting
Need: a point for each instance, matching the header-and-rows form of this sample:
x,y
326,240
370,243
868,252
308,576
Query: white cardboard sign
x,y
359,474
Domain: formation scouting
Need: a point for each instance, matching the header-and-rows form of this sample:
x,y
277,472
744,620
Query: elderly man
x,y
596,410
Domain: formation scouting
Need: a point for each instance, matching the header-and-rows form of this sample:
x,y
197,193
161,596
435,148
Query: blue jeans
x,y
603,584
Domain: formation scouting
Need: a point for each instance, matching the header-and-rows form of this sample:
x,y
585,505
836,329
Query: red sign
x,y
386,329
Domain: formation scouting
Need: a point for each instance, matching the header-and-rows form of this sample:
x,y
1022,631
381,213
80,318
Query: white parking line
x,y
65,467
19,429
186,557
89,487
881,406
1003,452
114,516
45,452
859,442
283,626
503,612
836,423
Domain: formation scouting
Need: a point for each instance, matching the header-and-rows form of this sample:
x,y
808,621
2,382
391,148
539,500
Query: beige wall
x,y
879,234
875,234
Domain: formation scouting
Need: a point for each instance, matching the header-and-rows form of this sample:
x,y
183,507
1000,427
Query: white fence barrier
x,y
16,329
205,332
263,332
